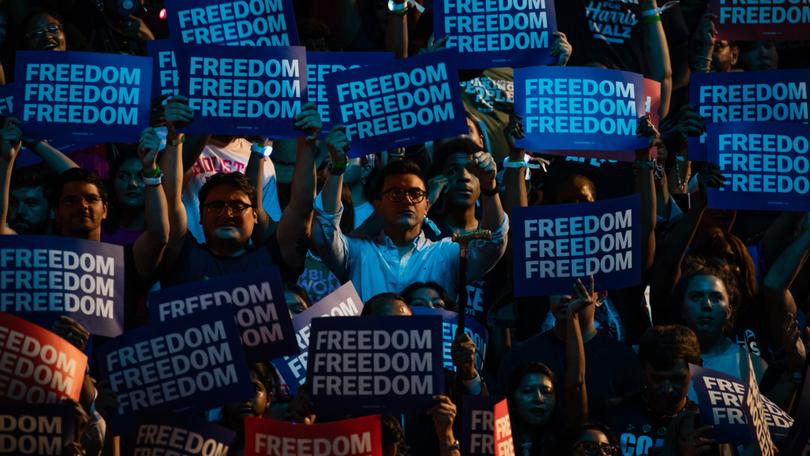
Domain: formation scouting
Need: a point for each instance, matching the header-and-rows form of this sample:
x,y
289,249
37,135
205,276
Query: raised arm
x,y
779,301
295,223
53,157
326,234
658,50
485,254
515,177
576,393
396,30
265,226
176,111
645,186
10,144
149,247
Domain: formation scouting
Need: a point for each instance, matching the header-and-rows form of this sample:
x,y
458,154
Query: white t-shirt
x,y
231,158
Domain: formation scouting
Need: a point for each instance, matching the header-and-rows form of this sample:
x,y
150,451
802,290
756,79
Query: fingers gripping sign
x,y
10,140
482,166
309,121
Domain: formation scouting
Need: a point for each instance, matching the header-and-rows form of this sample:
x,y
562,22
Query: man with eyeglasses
x,y
401,254
239,234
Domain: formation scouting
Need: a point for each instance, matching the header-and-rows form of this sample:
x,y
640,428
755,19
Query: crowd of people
x,y
595,371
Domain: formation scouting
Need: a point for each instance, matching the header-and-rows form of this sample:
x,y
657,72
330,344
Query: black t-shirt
x,y
604,31
637,430
196,263
612,369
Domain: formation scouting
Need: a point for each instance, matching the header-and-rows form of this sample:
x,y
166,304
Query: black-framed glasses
x,y
597,448
415,195
232,207
50,29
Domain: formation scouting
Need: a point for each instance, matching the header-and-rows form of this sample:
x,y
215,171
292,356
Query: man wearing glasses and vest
x,y
401,254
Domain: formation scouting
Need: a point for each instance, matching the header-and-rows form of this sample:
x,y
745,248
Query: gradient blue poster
x,y
556,244
409,101
506,33
748,96
243,90
583,109
83,96
766,166
233,22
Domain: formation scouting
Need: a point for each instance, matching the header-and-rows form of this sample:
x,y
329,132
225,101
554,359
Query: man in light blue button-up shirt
x,y
401,254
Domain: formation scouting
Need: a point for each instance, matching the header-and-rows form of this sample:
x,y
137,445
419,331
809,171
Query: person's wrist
x,y
152,170
490,190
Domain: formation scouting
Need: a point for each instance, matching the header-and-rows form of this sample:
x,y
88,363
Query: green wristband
x,y
153,173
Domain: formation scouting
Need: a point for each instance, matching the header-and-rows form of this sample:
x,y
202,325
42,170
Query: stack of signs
x,y
83,96
321,64
478,426
343,302
197,359
504,446
755,20
159,433
38,367
565,242
244,90
165,80
497,34
388,365
737,411
43,430
43,277
409,101
766,166
255,299
580,110
750,96
475,330
232,22
355,437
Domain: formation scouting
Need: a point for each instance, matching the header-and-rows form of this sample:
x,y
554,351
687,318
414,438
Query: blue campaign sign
x,y
194,361
43,277
721,399
179,435
362,365
83,96
506,33
766,165
243,91
565,242
477,332
256,300
233,22
321,64
164,68
343,302
26,156
405,102
584,109
38,429
478,426
749,96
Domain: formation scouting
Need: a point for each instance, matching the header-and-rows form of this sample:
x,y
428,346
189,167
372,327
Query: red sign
x,y
356,437
755,20
36,365
503,431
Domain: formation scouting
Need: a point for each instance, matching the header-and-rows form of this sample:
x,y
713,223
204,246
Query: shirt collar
x,y
418,243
